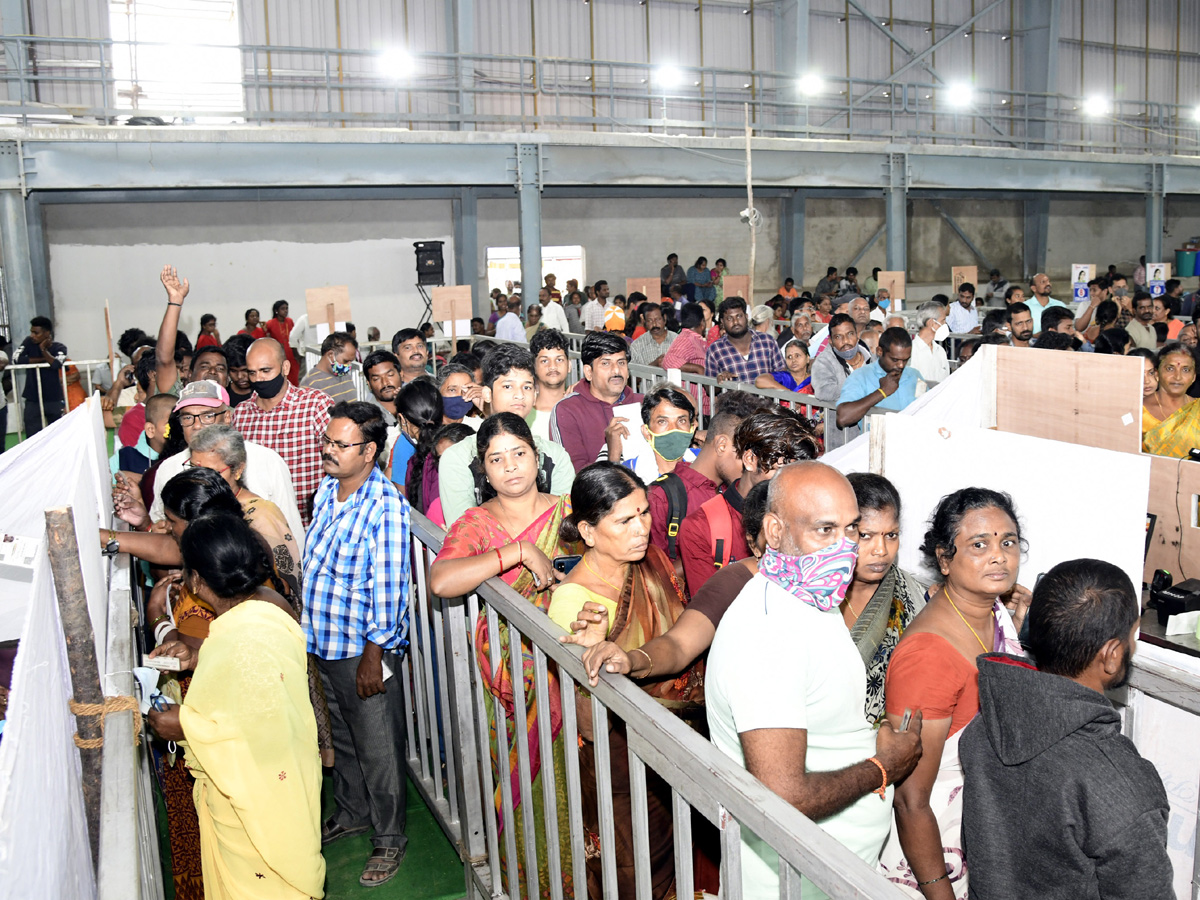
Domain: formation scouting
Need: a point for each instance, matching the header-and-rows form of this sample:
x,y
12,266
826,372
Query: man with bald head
x,y
1039,300
786,688
288,419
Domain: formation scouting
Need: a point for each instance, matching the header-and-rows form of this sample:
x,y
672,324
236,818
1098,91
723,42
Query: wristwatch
x,y
113,547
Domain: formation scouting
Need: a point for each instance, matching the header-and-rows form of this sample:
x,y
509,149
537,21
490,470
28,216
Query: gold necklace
x,y
601,577
850,606
946,590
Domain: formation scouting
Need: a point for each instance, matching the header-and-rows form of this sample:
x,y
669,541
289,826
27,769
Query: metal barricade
x,y
87,370
442,684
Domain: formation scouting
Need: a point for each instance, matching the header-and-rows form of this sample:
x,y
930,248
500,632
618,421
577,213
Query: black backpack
x,y
677,504
484,491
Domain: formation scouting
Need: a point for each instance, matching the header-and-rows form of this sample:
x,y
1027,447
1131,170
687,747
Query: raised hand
x,y
177,289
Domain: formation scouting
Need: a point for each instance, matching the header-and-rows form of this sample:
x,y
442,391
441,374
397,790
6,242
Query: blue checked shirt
x,y
764,357
356,570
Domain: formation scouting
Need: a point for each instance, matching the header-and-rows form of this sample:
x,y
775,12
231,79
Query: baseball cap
x,y
202,393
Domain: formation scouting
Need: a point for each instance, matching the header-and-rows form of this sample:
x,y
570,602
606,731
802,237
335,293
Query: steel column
x,y
1039,69
12,14
1154,213
529,217
791,237
896,220
39,255
462,13
465,211
14,251
1037,230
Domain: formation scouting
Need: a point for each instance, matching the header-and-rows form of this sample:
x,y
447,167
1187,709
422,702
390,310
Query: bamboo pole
x,y
81,655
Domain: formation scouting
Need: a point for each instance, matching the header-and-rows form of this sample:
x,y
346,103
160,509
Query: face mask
x,y
820,579
456,407
671,445
1120,292
340,369
270,388
884,304
847,354
942,332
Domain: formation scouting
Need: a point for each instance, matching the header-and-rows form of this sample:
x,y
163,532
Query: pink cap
x,y
202,393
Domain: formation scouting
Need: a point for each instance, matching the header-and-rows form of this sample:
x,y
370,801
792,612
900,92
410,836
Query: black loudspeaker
x,y
429,262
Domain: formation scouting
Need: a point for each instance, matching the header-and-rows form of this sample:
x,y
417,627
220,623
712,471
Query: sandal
x,y
332,830
384,860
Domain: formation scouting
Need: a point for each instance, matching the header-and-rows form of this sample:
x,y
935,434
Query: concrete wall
x,y
241,254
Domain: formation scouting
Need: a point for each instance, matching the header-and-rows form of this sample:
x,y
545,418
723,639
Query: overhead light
x,y
396,63
1196,113
810,84
958,95
886,94
1004,37
1097,106
668,76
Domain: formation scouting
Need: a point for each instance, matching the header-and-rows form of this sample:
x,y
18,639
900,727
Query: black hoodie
x,y
1057,803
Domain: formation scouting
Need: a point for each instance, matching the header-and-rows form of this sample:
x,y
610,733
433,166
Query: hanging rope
x,y
110,705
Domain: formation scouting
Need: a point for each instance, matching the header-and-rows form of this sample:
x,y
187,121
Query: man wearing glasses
x,y
356,582
204,403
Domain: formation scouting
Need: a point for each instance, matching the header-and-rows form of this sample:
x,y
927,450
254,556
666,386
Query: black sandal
x,y
331,831
385,860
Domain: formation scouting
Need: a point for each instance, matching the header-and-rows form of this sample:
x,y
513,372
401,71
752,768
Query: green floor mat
x,y
431,869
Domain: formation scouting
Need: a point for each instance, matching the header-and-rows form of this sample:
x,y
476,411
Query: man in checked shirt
x,y
356,582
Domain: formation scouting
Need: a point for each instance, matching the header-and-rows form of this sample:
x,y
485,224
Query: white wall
x,y
235,255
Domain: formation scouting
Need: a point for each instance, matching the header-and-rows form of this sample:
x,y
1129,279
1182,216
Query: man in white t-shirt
x,y
786,687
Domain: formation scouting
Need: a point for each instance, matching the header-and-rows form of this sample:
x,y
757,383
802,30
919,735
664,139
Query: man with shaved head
x,y
786,688
288,419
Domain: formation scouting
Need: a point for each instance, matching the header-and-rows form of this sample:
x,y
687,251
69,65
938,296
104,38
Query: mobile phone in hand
x,y
904,721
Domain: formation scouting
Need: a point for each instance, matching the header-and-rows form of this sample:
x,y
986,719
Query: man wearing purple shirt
x,y
740,354
582,421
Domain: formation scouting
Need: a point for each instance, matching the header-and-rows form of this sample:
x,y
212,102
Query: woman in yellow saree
x,y
514,535
1173,416
247,723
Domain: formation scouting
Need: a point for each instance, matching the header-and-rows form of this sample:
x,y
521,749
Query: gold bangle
x,y
648,659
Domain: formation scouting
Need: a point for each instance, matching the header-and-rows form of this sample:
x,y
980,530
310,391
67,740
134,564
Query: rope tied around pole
x,y
110,705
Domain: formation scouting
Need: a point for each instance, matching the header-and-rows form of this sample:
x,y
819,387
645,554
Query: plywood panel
x,y
651,287
1175,544
1093,399
738,286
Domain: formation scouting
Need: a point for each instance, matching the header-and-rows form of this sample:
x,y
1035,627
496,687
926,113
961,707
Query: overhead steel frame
x,y
129,165
1039,73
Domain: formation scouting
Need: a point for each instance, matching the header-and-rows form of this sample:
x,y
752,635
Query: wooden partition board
x,y
963,275
894,283
1174,493
1093,399
651,287
738,286
317,302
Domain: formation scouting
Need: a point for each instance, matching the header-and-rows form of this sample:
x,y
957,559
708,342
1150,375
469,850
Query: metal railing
x,y
59,79
700,777
21,372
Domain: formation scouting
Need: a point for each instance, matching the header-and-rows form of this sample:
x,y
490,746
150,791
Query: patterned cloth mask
x,y
820,578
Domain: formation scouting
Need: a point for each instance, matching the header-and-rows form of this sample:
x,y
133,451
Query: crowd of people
x,y
750,589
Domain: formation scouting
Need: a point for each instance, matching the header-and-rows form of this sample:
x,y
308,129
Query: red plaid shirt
x,y
292,429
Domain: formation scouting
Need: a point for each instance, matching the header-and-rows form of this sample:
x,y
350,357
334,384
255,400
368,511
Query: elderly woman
x,y
514,535
762,318
533,321
633,581
1172,415
974,542
248,735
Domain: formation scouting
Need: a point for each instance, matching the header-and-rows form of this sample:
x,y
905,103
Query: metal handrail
x,y
451,89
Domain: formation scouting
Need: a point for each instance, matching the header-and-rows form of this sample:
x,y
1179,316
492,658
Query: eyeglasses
x,y
191,465
207,418
326,441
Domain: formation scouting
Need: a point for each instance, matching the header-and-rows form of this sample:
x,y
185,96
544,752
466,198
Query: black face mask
x,y
269,388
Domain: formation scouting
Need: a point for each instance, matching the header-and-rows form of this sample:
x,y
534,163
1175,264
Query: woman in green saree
x,y
515,535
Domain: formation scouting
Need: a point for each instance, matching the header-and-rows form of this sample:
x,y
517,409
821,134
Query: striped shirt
x,y
293,429
356,570
338,387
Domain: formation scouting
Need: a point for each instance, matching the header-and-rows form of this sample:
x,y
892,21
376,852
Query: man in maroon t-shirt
x,y
764,443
